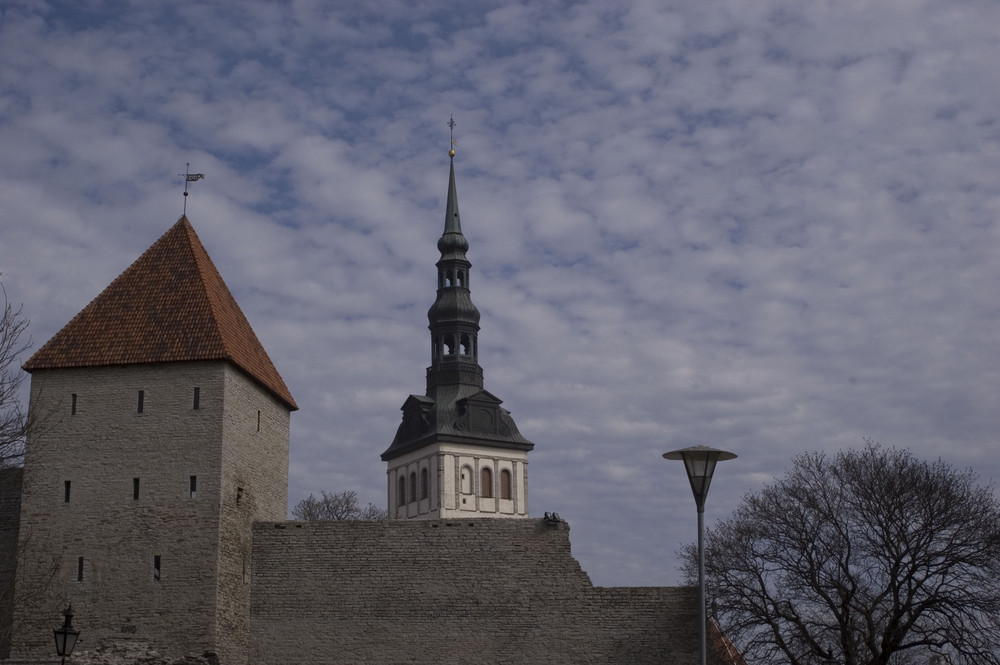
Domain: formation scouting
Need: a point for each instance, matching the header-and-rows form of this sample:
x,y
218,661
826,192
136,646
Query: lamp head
x,y
699,462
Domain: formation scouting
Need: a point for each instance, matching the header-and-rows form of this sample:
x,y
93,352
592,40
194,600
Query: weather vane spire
x,y
451,128
189,177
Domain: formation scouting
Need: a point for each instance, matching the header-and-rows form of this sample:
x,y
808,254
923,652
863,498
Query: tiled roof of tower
x,y
171,305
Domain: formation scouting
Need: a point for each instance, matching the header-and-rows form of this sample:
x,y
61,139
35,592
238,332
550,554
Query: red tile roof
x,y
171,305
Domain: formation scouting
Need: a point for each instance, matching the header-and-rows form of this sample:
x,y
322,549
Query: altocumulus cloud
x,y
769,227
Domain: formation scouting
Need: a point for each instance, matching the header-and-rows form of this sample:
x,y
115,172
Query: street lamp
x,y
66,636
699,461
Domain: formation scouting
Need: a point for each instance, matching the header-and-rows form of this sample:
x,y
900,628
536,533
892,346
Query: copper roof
x,y
171,305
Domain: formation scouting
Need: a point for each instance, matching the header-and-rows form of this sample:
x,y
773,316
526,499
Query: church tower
x,y
160,434
457,452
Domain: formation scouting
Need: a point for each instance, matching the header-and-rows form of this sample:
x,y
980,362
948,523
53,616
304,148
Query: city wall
x,y
472,591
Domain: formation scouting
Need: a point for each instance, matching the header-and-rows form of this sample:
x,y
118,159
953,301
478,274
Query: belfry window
x,y
466,347
413,486
505,484
401,491
424,489
486,483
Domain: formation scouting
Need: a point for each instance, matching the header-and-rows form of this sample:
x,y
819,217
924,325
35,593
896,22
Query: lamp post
x,y
66,636
699,462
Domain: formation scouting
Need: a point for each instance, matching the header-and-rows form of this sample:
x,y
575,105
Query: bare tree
x,y
13,326
877,555
336,506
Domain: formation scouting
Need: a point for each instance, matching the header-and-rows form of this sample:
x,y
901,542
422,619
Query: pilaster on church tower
x,y
457,452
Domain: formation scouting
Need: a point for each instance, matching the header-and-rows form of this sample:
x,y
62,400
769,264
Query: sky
x,y
767,226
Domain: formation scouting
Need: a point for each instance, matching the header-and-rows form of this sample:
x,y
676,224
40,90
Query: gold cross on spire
x,y
451,128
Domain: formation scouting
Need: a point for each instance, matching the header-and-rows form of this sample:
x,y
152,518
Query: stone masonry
x,y
474,591
111,491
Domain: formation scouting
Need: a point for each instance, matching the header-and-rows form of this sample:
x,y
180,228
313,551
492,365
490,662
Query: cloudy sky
x,y
769,226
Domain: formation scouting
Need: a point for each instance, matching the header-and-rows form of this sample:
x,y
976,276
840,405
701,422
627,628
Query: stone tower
x,y
161,435
457,452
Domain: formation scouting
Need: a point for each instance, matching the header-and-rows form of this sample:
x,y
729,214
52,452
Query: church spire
x,y
456,411
453,319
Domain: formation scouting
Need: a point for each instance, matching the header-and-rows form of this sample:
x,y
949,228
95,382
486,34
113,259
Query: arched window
x,y
466,346
413,486
466,480
449,345
424,489
448,278
401,491
505,484
486,483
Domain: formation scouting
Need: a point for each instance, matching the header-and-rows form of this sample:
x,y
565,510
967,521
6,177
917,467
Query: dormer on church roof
x,y
171,305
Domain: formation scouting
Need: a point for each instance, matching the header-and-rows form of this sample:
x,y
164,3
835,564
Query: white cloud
x,y
769,227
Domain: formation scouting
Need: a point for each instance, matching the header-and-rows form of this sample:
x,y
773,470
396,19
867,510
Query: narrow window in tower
x,y
135,489
197,399
413,486
258,420
66,492
156,567
424,489
239,495
139,406
505,484
194,486
79,569
401,491
486,483
72,404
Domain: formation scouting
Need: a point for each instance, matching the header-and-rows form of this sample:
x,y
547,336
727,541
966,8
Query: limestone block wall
x,y
451,591
10,513
121,506
254,487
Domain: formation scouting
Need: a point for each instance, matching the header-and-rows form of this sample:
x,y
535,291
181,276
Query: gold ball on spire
x,y
451,153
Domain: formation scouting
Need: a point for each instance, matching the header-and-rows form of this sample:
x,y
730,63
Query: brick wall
x,y
451,591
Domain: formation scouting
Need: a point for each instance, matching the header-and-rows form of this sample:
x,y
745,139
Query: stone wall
x,y
451,591
254,487
10,509
156,560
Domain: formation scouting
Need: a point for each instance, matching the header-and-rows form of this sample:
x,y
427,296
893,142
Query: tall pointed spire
x,y
457,421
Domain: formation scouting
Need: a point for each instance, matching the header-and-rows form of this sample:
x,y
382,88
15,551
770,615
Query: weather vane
x,y
451,128
189,177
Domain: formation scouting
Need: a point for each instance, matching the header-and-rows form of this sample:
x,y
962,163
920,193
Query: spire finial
x,y
189,177
451,128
